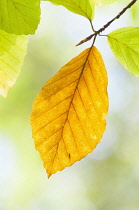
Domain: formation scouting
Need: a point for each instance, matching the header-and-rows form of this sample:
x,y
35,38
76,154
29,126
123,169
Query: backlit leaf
x,y
124,43
19,16
135,12
81,7
101,2
68,114
12,51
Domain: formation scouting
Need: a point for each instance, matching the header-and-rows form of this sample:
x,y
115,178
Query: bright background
x,y
107,179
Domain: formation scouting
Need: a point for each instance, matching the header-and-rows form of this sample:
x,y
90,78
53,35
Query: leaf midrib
x,y
61,137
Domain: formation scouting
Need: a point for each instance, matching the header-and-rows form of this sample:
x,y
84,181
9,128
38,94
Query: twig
x,y
85,40
117,16
107,24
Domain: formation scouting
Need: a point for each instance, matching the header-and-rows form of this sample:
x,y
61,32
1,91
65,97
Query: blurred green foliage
x,y
107,179
135,13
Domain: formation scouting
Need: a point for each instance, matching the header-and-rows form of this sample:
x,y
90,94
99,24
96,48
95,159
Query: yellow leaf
x,y
68,114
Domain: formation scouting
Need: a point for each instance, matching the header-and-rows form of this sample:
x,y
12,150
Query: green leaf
x,y
19,16
12,51
80,7
124,43
134,12
101,2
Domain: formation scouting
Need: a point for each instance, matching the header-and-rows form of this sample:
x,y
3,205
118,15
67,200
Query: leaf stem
x,y
92,26
107,24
